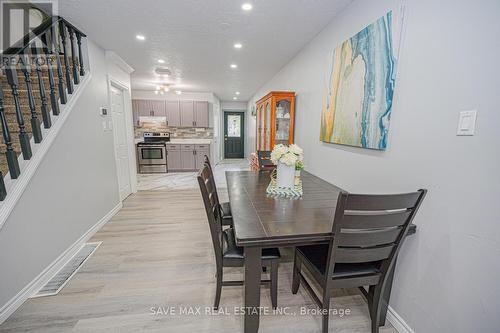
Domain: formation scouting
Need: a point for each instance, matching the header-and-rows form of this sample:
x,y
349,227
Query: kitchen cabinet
x,y
174,157
177,113
187,113
173,113
200,114
199,154
188,157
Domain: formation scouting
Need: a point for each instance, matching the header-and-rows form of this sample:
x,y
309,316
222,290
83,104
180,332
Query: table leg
x,y
387,294
251,288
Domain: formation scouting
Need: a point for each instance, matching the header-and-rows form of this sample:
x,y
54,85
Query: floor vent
x,y
66,273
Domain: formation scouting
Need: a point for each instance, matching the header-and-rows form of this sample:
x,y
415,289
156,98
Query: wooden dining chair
x,y
227,253
367,234
225,207
265,163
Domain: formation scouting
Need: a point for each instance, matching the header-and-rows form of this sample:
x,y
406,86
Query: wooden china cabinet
x,y
275,119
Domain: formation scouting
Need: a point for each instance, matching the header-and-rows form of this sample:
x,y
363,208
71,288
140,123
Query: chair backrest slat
x,y
360,255
382,220
363,202
368,238
265,162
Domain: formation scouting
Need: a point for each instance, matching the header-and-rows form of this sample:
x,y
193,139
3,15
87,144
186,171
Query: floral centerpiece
x,y
288,159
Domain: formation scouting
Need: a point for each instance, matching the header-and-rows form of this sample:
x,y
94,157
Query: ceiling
x,y
196,38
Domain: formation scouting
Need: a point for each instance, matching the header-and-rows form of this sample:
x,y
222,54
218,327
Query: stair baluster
x,y
80,53
62,86
10,154
35,122
47,122
62,33
24,138
47,49
74,56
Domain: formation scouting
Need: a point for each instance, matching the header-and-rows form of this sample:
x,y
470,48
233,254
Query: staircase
x,y
37,76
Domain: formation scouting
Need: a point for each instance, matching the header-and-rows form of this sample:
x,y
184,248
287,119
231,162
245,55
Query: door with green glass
x,y
234,134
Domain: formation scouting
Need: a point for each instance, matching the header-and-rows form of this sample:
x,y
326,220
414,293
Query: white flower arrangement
x,y
291,155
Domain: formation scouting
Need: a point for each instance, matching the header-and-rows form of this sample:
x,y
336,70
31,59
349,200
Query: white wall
x,y
73,188
447,274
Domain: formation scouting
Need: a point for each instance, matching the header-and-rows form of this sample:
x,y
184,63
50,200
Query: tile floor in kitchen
x,y
187,180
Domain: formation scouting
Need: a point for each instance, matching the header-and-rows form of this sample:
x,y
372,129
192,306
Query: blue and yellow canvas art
x,y
359,90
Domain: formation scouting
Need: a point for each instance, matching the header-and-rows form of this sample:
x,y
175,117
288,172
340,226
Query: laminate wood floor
x,y
156,255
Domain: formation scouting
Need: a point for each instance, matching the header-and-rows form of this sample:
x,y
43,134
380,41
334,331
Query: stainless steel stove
x,y
152,153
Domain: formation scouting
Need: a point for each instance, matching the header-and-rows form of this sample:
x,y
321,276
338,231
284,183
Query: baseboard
x,y
44,277
15,187
397,322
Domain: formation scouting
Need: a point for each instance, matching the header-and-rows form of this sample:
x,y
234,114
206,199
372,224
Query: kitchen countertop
x,y
184,141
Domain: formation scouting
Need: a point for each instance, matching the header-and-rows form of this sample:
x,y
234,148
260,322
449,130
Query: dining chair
x,y
227,253
225,207
367,234
264,157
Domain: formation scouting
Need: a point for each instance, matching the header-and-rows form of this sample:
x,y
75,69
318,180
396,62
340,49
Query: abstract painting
x,y
359,89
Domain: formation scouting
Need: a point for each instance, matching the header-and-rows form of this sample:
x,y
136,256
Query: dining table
x,y
267,221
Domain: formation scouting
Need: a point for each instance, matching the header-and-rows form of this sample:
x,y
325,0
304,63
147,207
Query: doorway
x,y
120,141
234,134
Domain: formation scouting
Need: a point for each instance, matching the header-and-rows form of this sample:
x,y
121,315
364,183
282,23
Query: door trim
x,y
243,130
129,130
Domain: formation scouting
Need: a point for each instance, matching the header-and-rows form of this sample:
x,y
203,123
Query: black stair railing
x,y
74,56
47,50
62,33
34,60
47,121
35,122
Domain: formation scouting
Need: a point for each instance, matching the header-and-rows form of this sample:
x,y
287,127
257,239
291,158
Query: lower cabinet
x,y
186,157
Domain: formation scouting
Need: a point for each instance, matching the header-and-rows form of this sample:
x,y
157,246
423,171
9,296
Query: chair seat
x,y
226,209
317,255
231,251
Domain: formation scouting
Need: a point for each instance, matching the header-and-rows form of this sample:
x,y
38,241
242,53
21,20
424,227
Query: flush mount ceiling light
x,y
140,37
233,66
238,45
161,61
247,6
235,98
163,71
162,89
237,93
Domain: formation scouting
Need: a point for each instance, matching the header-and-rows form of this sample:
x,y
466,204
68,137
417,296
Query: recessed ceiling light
x,y
233,66
237,93
161,61
247,6
178,92
235,98
140,37
238,45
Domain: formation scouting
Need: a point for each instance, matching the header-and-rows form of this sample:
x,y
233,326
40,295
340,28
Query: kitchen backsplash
x,y
177,132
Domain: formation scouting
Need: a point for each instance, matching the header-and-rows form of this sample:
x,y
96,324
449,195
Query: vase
x,y
285,175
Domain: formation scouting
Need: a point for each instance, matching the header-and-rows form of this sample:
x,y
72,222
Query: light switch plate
x,y
467,123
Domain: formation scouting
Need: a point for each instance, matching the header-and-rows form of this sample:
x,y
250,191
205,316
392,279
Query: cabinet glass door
x,y
283,115
267,139
262,128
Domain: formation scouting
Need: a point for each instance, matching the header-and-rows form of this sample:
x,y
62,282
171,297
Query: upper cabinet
x,y
173,113
177,113
187,113
200,114
275,120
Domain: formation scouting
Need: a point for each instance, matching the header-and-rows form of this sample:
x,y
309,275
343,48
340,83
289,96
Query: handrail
x,y
39,31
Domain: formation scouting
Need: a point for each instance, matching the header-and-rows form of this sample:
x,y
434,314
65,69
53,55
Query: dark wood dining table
x,y
265,221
